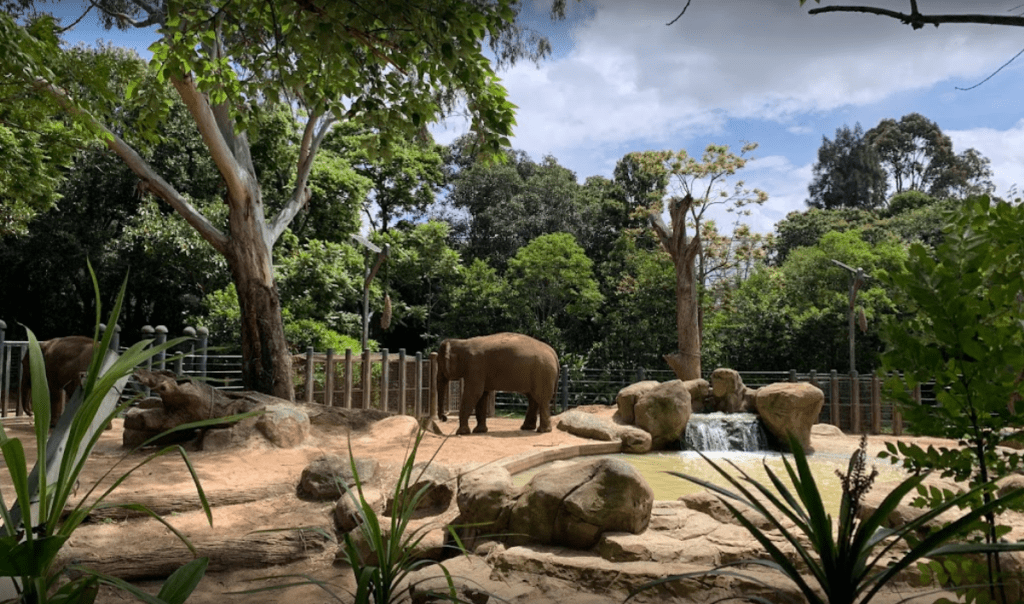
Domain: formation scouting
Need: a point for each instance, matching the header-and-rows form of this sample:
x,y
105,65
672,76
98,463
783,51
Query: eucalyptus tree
x,y
391,66
848,173
696,185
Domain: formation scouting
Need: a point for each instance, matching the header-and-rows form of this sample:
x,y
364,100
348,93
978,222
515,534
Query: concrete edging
x,y
527,461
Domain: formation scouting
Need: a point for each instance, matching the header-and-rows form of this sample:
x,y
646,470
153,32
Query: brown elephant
x,y
66,360
501,362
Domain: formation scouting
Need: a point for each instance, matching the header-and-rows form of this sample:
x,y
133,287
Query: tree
x,y
403,184
701,182
391,66
962,330
553,288
803,229
848,173
914,152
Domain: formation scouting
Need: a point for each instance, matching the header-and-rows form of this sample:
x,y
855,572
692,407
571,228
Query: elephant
x,y
501,362
66,360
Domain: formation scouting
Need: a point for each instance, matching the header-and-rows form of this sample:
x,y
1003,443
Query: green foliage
x,y
962,331
805,229
848,562
479,303
388,555
848,173
553,288
30,557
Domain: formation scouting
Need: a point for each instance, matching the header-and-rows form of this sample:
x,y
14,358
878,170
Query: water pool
x,y
654,467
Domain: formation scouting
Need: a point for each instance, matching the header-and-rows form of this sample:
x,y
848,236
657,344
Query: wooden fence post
x,y
833,393
402,407
385,380
418,381
366,375
433,403
329,379
854,403
310,374
876,403
347,394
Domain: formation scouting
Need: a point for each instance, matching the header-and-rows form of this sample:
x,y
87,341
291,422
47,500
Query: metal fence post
x,y
190,333
347,394
641,374
876,403
792,375
204,340
161,337
432,405
366,377
565,388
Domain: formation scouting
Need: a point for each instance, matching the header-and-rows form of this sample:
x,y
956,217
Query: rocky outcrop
x,y
699,392
575,504
627,398
323,478
663,411
727,391
595,427
790,409
435,480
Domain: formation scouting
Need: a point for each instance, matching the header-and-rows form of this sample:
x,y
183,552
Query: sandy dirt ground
x,y
253,488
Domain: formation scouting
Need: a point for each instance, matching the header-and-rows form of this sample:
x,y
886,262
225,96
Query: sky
x,y
765,71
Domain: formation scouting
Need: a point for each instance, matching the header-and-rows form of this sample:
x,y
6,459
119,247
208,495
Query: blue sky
x,y
765,71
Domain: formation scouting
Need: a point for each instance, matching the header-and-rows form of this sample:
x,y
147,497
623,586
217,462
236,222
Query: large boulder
x,y
627,398
435,480
727,391
574,504
699,390
790,409
285,425
663,412
323,478
596,427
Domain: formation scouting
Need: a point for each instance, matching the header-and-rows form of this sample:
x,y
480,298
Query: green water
x,y
654,467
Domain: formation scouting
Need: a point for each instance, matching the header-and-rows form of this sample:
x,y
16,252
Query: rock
x,y
588,425
438,482
635,440
346,515
790,409
485,497
627,398
727,391
1010,483
397,428
287,426
699,391
222,439
663,412
321,480
707,503
827,431
575,504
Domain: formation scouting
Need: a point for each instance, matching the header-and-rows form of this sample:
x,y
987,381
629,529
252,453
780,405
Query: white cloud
x,y
1004,148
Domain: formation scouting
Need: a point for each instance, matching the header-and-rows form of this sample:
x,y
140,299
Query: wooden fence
x,y
405,383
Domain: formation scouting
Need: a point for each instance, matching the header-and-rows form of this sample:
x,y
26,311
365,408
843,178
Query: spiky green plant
x,y
38,526
851,563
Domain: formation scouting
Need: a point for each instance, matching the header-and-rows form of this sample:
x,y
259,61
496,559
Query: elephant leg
x,y
531,415
543,410
470,395
481,413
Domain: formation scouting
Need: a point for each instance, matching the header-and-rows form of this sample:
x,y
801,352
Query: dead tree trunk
x,y
683,250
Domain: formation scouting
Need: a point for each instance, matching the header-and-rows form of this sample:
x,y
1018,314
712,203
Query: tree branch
x,y
300,194
235,176
154,182
918,20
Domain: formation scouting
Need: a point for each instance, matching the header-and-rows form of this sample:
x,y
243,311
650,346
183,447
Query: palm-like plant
x,y
37,527
851,563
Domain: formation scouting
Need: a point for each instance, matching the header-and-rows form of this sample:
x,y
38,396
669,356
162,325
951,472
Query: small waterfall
x,y
725,432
